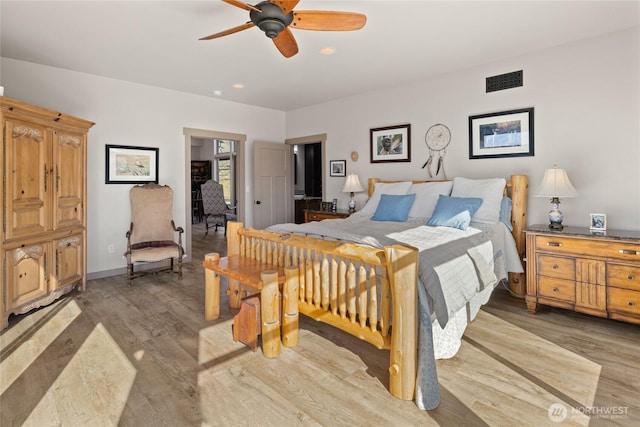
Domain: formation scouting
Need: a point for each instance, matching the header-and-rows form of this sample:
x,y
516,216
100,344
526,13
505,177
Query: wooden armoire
x,y
43,196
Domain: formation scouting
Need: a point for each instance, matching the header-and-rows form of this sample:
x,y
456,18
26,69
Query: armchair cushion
x,y
151,213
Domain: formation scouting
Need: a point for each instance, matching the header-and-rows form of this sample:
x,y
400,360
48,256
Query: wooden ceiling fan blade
x,y
230,31
286,43
242,5
286,5
321,20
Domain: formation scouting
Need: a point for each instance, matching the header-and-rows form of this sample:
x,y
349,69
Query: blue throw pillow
x,y
505,212
394,207
455,212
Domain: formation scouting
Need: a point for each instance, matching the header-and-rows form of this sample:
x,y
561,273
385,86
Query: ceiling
x,y
156,43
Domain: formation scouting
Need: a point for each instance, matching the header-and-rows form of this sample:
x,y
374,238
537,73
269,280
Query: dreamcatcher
x,y
437,139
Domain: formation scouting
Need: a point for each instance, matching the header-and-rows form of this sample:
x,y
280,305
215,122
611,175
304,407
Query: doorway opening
x,y
310,176
223,152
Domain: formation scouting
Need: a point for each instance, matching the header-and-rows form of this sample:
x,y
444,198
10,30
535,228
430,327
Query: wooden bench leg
x,y
270,314
235,294
212,289
290,307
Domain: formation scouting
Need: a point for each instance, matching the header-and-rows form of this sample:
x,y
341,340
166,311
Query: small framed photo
x,y
391,144
337,167
598,222
131,165
504,134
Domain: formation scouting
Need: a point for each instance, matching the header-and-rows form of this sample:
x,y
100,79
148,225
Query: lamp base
x,y
555,215
352,204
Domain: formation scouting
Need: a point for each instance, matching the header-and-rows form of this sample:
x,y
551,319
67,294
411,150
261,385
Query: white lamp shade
x,y
352,184
555,183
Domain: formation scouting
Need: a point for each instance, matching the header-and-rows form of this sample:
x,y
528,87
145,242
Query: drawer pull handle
x,y
557,244
630,277
555,266
631,304
555,289
629,252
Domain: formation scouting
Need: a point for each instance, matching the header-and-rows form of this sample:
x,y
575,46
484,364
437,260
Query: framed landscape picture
x,y
504,134
131,165
391,144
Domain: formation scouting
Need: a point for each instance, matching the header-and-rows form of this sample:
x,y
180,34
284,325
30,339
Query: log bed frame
x,y
337,283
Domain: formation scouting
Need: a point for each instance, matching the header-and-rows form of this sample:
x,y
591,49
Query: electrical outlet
x,y
111,248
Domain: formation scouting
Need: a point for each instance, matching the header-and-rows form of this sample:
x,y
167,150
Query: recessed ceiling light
x,y
238,85
217,92
327,51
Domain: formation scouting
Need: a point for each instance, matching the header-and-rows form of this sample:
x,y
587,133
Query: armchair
x,y
151,235
215,207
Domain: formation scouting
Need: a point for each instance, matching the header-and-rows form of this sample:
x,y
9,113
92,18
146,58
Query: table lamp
x,y
352,185
556,184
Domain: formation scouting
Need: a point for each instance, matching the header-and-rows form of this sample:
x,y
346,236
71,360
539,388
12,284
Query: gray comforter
x,y
453,266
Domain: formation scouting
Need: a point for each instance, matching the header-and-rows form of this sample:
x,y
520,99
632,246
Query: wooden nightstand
x,y
591,272
317,215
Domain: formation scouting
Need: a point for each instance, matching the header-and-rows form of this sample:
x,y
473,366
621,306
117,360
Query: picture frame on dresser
x,y
125,164
598,222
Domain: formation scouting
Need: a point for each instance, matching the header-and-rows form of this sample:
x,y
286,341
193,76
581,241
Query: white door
x,y
273,184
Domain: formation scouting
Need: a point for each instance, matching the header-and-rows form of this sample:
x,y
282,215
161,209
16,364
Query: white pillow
x,y
396,188
427,194
489,190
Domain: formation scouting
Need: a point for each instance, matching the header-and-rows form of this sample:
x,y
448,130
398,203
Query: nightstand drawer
x,y
623,276
559,289
588,247
319,215
553,266
624,301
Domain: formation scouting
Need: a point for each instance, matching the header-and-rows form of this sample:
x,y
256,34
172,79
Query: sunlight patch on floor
x,y
530,373
215,342
19,360
95,385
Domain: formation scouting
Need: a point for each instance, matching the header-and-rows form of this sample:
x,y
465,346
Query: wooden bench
x,y
248,276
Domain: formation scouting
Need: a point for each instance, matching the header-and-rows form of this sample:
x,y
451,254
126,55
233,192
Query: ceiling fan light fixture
x,y
327,51
270,19
271,27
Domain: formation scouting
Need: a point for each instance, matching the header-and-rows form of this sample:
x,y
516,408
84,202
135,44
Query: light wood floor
x,y
145,356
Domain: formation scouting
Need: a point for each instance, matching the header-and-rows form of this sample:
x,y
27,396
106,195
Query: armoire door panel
x,y
69,262
27,271
27,164
68,155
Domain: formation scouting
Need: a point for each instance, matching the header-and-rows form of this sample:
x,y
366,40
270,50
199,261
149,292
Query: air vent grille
x,y
504,81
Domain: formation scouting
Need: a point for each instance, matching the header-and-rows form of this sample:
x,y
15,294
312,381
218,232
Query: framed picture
x,y
337,167
505,134
598,222
391,144
131,165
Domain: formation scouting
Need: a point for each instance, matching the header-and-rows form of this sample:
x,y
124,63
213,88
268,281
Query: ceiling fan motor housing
x,y
271,20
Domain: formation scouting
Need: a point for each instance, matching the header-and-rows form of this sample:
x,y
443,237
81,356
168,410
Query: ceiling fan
x,y
274,17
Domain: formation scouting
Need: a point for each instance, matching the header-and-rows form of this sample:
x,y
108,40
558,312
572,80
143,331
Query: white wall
x,y
133,114
587,120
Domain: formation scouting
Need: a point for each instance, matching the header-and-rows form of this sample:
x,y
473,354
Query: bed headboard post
x,y
372,185
519,186
519,189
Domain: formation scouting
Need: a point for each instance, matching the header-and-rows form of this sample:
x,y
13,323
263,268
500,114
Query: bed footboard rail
x,y
360,290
